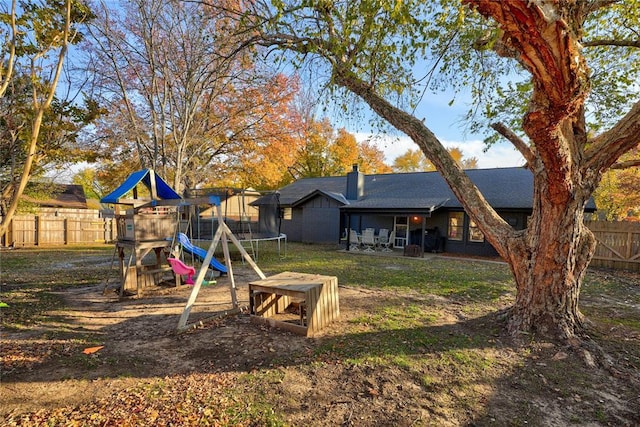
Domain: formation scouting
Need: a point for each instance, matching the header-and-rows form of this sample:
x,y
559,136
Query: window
x,y
285,213
456,224
475,235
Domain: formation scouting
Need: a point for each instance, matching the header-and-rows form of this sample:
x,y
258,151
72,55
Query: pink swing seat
x,y
181,268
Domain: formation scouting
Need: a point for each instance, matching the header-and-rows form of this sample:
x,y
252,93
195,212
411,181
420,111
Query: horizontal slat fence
x,y
37,230
618,245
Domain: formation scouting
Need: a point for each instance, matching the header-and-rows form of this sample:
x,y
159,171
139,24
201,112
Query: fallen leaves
x,y
91,350
195,399
25,354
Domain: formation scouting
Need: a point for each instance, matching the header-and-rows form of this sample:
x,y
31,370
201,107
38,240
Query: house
x,y
419,207
61,200
62,196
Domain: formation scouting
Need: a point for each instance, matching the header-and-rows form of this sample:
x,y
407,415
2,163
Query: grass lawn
x,y
419,343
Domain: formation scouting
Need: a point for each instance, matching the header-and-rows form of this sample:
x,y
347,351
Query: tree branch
x,y
605,42
6,78
626,165
497,231
599,4
524,149
607,147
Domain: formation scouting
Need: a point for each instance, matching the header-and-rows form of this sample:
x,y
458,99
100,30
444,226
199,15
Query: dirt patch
x,y
472,374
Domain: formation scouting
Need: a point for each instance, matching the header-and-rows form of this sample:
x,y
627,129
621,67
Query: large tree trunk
x,y
548,265
549,258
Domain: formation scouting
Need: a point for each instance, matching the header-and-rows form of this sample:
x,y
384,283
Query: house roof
x,y
300,189
504,188
149,179
69,196
338,197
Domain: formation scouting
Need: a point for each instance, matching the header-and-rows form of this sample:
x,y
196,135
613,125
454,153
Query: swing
x,y
223,233
182,269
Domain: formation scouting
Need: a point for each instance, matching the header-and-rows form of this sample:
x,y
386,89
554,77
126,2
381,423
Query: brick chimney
x,y
355,184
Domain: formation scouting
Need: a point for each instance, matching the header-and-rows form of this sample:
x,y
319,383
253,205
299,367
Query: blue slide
x,y
200,253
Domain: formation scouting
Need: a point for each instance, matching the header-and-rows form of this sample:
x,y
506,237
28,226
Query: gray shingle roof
x,y
62,196
338,197
504,188
302,187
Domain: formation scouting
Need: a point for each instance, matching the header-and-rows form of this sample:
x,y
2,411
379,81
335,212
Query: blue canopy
x,y
150,180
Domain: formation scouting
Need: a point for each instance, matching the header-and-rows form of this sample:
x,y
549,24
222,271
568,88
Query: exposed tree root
x,y
580,344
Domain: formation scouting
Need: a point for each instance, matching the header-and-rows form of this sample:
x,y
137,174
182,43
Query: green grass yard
x,y
419,342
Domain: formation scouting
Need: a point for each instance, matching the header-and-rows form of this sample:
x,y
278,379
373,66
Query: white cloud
x,y
500,155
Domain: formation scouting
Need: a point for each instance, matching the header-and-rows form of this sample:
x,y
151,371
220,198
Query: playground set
x,y
153,223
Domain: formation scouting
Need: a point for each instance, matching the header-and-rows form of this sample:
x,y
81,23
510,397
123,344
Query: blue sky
x,y
445,121
498,156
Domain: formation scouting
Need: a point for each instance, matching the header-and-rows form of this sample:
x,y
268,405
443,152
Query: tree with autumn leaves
x,y
544,59
312,148
36,126
618,195
180,100
413,160
210,116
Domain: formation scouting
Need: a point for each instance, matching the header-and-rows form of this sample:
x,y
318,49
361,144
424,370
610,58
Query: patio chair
x,y
369,240
354,240
386,247
383,236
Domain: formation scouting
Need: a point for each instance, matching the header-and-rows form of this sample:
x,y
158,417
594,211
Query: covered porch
x,y
406,228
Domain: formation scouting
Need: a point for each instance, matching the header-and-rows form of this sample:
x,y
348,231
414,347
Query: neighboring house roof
x,y
503,188
70,196
149,179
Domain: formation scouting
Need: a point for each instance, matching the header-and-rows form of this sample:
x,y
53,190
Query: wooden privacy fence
x,y
32,230
618,242
618,245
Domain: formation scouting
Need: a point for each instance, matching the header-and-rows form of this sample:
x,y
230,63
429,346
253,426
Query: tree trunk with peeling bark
x,y
549,262
550,257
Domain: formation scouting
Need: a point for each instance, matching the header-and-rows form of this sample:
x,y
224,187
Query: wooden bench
x,y
315,298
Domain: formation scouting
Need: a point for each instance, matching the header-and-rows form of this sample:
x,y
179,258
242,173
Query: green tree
x,y
561,51
38,35
88,178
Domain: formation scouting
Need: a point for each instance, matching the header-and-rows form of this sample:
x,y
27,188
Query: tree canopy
x,y
536,71
35,124
413,160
